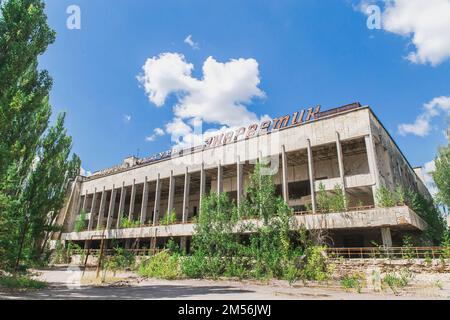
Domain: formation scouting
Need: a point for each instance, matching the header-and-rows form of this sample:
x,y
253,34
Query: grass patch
x,y
21,282
354,281
395,280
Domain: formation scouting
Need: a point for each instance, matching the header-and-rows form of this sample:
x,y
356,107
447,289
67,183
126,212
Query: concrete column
x,y
101,210
219,178
112,205
341,164
123,194
171,193
239,180
187,182
157,201
202,184
92,213
284,181
85,201
132,198
386,237
144,202
373,166
311,175
79,204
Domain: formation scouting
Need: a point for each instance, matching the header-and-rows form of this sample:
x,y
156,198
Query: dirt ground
x,y
68,283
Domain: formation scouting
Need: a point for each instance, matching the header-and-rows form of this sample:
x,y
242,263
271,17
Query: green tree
x,y
45,189
385,198
34,169
441,175
323,199
252,241
260,194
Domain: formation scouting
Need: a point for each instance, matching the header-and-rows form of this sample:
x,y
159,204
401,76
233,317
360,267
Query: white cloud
x,y
422,126
85,173
178,129
150,138
126,118
158,132
428,169
191,43
425,23
219,97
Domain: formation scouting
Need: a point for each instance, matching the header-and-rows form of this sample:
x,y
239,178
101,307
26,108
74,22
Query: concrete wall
x,y
393,168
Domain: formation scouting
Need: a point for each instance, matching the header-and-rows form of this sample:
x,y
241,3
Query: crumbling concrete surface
x,y
66,283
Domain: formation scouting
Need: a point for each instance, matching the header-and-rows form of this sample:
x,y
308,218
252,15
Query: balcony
x,y
364,217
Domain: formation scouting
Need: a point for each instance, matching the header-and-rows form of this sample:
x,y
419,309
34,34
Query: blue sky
x,y
307,52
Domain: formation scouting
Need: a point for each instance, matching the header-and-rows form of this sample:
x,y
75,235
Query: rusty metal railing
x,y
351,209
110,252
390,253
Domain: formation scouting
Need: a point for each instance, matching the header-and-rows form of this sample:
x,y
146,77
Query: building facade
x,y
346,146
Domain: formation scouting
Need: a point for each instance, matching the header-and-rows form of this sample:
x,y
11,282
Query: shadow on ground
x,y
61,291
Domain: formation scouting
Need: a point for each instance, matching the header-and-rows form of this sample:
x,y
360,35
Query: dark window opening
x,y
299,189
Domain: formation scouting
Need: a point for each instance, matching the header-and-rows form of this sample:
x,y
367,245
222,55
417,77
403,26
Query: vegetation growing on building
x,y
274,249
425,208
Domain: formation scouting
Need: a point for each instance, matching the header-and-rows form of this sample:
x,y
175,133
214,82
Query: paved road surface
x,y
64,284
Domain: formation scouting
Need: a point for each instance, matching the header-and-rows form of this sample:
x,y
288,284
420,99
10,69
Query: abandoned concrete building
x,y
346,146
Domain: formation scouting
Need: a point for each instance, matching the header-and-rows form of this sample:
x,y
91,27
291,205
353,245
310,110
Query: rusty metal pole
x,y
100,257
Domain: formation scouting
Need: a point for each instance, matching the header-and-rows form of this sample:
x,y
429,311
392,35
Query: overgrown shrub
x,y
353,281
385,198
407,245
80,223
120,260
316,267
224,244
396,280
338,199
126,223
331,202
194,266
162,266
322,199
168,219
446,245
21,282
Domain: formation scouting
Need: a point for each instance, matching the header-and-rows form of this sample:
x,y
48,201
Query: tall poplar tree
x,y
441,175
27,191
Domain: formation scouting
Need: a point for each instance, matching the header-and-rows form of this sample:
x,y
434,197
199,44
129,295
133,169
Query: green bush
x,y
353,281
446,245
162,266
276,249
168,219
408,252
21,282
331,202
120,260
126,223
195,265
323,199
395,280
316,266
385,198
338,199
80,223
